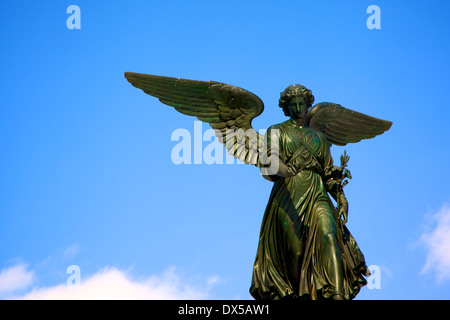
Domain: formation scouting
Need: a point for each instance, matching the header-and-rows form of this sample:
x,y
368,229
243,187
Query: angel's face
x,y
298,106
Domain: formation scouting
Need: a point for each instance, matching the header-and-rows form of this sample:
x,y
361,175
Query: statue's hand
x,y
293,169
290,172
334,172
284,170
343,209
346,174
343,214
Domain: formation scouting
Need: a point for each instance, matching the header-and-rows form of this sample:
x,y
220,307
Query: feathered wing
x,y
341,125
228,109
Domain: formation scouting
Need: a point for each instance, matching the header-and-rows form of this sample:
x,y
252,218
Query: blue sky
x,y
85,161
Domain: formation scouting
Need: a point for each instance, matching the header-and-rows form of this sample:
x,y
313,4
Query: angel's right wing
x,y
228,109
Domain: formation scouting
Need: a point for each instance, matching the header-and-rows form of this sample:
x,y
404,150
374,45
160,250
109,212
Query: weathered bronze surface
x,y
305,251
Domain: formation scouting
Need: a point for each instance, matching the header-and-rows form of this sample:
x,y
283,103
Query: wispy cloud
x,y
436,240
71,252
15,278
113,284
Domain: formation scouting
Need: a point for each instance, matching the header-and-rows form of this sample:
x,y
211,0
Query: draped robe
x,y
304,251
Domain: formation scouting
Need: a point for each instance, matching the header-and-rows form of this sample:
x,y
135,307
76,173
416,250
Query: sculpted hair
x,y
289,92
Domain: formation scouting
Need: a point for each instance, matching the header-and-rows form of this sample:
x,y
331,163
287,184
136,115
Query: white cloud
x,y
15,278
437,243
114,284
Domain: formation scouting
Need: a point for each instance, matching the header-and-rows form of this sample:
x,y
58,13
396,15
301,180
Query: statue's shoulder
x,y
321,136
281,126
273,127
277,129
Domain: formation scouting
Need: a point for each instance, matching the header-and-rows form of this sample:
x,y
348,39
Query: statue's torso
x,y
302,145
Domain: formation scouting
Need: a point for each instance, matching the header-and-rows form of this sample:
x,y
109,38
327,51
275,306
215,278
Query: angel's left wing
x,y
341,125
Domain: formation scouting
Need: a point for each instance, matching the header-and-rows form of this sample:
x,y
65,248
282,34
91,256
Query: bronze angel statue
x,y
305,250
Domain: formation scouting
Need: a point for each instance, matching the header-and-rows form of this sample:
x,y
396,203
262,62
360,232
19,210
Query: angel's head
x,y
295,94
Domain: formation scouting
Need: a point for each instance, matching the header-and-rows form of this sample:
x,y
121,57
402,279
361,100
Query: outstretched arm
x,y
334,181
